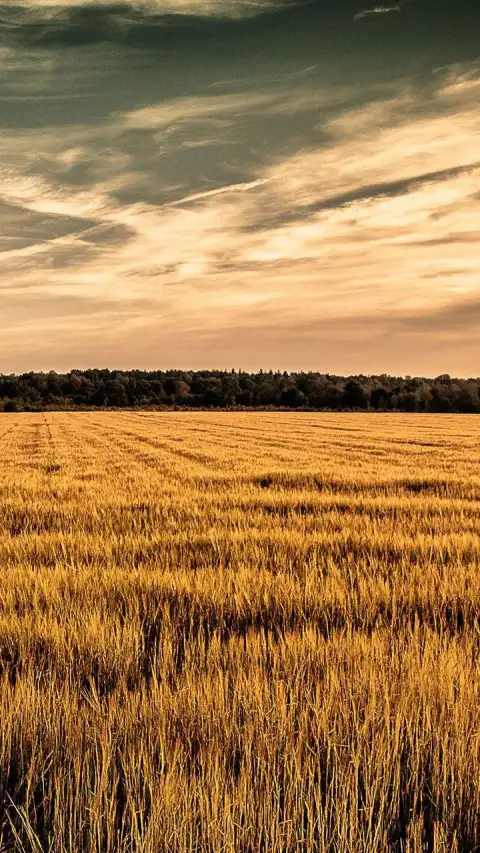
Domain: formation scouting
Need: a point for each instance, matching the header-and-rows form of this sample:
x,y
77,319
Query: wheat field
x,y
239,633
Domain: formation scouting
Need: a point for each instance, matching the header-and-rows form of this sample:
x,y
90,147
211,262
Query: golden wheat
x,y
239,633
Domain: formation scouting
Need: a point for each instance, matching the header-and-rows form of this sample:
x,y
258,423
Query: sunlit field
x,y
239,633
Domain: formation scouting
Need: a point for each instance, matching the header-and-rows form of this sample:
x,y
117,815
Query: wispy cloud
x,y
220,8
378,10
343,237
189,109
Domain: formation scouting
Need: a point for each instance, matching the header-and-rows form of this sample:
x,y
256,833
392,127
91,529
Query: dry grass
x,y
239,633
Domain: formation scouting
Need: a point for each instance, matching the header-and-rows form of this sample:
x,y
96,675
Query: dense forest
x,y
82,389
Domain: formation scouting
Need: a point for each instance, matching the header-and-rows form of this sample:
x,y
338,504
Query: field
x,y
239,633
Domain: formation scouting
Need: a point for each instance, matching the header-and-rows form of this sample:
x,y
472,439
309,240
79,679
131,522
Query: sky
x,y
246,184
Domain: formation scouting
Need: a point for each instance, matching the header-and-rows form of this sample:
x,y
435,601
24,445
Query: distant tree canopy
x,y
88,389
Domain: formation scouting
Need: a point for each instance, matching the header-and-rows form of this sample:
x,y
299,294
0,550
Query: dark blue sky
x,y
213,183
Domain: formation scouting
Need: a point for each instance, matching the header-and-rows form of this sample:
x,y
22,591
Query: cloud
x,y
152,24
349,239
190,109
457,319
222,8
365,193
378,10
226,190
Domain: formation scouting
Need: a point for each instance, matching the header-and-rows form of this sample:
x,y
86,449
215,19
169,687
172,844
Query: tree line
x,y
87,389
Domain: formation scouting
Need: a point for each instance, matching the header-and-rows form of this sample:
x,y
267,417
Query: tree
x,y
294,398
176,389
354,396
102,387
379,398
